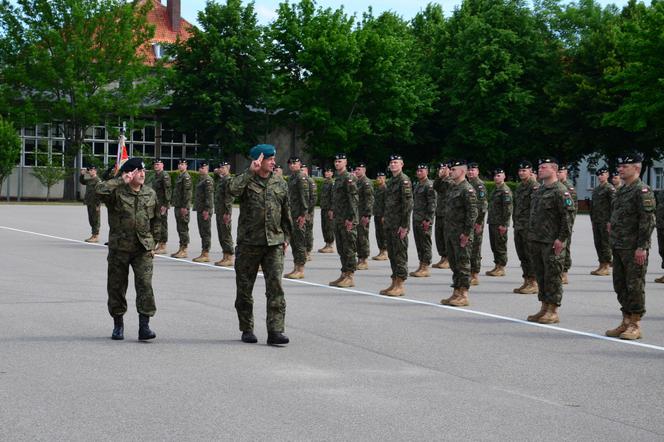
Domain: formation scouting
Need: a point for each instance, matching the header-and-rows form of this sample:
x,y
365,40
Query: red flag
x,y
122,153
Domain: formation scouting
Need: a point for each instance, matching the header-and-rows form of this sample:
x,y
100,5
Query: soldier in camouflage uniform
x,y
441,184
630,228
327,224
365,194
600,215
522,199
480,191
223,207
379,217
345,215
398,210
460,217
133,208
204,205
563,178
498,219
551,210
264,228
181,201
161,184
90,180
659,216
298,191
424,210
313,197
616,180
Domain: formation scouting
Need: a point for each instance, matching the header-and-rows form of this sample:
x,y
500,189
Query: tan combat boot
x,y
297,273
602,270
203,257
348,280
462,298
161,249
455,294
308,256
327,249
550,316
660,279
338,280
474,279
181,253
93,238
225,261
564,278
442,264
422,272
419,268
616,332
633,330
531,287
538,315
523,286
382,256
397,289
385,290
497,271
362,264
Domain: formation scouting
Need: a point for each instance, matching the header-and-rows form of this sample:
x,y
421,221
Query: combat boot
x,y
455,294
348,281
382,256
550,316
538,315
442,264
491,271
660,279
616,332
225,261
564,278
474,279
461,300
297,273
204,257
531,287
384,291
422,272
327,249
362,264
249,337
93,238
602,270
161,249
336,281
144,332
118,328
633,330
497,271
308,256
181,253
277,338
397,289
523,286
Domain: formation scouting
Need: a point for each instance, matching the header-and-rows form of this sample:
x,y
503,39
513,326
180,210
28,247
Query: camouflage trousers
x,y
548,271
422,242
476,251
363,244
182,223
309,226
205,230
602,246
299,244
346,246
94,216
568,252
163,227
629,281
118,280
397,250
225,233
459,259
498,245
660,243
439,227
327,226
271,260
379,227
522,246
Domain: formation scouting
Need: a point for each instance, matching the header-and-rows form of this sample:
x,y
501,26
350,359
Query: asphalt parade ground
x,y
360,366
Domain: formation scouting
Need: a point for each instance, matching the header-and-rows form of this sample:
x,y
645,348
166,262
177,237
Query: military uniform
x,y
327,225
204,202
345,208
600,215
424,210
500,212
365,194
398,210
263,228
521,216
92,203
441,185
181,199
223,205
659,216
298,191
476,253
460,218
161,184
568,254
379,225
313,197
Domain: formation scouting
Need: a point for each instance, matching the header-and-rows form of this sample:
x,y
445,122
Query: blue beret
x,y
132,164
267,150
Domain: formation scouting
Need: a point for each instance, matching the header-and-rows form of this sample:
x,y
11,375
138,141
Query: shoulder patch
x,y
471,190
644,190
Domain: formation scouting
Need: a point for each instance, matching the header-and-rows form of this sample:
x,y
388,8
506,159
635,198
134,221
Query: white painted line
x,y
376,295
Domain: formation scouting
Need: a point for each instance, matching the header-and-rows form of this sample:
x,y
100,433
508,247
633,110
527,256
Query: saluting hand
x,y
256,164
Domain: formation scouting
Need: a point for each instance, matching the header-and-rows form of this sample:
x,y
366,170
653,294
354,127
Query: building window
x,y
592,179
659,178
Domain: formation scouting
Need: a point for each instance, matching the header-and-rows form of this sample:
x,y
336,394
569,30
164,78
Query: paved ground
x,y
359,366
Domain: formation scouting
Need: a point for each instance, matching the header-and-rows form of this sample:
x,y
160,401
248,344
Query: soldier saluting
x,y
90,179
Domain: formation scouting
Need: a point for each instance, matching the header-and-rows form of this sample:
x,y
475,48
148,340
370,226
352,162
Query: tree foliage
x,y
10,149
49,175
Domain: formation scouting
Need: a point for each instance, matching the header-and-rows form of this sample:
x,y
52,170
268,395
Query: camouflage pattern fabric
x,y
476,252
365,209
327,225
118,279
161,184
424,209
344,205
91,201
460,217
600,215
521,218
298,191
659,217
313,196
500,212
441,185
398,210
568,255
548,271
204,201
223,204
379,213
181,198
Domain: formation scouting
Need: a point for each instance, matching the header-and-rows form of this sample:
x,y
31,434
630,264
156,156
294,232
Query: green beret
x,y
267,150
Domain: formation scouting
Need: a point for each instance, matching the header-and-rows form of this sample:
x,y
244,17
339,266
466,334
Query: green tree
x,y
220,78
49,175
10,149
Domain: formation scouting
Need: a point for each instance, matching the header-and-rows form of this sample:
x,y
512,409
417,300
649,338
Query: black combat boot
x,y
144,332
277,338
118,328
249,337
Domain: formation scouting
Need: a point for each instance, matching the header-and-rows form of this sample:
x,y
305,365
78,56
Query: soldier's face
x,y
524,174
603,177
546,170
182,167
629,171
267,165
340,165
562,175
294,167
396,166
458,172
421,173
443,172
328,174
93,172
139,177
615,180
158,167
204,170
473,172
380,180
360,172
499,178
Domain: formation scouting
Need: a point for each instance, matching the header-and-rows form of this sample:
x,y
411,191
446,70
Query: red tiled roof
x,y
163,33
